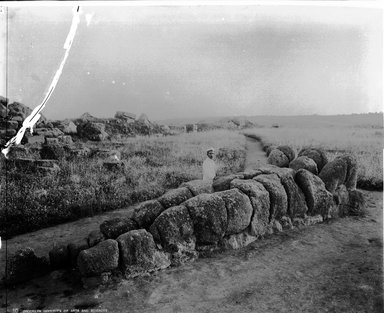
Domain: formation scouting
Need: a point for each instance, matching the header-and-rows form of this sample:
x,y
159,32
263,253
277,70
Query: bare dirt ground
x,y
329,267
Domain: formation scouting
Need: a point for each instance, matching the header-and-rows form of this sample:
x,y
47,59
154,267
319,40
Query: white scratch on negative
x,y
32,119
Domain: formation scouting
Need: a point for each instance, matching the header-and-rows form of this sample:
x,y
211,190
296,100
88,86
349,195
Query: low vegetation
x,y
83,187
365,143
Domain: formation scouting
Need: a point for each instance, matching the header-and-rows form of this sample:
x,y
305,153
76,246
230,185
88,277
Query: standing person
x,y
209,166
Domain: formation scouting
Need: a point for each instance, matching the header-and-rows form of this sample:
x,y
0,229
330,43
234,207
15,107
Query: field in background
x,y
84,187
365,141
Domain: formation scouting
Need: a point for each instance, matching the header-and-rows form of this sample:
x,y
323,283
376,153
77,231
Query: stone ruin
x,y
198,217
51,141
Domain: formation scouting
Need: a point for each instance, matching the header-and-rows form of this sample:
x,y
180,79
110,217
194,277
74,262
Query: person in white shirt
x,y
209,166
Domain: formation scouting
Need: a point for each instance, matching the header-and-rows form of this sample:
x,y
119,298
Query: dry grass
x,y
83,187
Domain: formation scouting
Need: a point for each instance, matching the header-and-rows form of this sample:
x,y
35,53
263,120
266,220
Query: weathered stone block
x,y
175,197
75,248
239,210
224,182
209,216
138,253
277,195
260,201
316,154
101,258
278,158
146,212
305,163
113,228
25,265
197,187
319,199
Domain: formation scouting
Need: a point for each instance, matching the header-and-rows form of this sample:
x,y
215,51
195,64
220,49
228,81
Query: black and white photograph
x,y
192,157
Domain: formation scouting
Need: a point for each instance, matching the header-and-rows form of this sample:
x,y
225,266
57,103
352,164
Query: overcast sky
x,y
197,61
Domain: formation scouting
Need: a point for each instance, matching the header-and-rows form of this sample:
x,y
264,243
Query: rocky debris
x,y
19,152
239,210
334,174
224,182
288,151
286,223
24,265
114,227
278,158
277,195
111,155
59,257
66,126
317,155
260,201
305,163
75,248
341,201
138,253
87,117
143,118
48,132
175,197
54,151
173,229
95,237
297,206
209,216
319,199
125,116
198,186
356,203
351,177
92,131
96,281
276,226
146,212
80,151
237,241
101,258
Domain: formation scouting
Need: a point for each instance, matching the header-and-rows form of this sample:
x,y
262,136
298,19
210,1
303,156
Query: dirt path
x,y
335,267
255,155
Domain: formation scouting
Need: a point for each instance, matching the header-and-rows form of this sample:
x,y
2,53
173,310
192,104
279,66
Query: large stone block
x,y
319,199
297,206
305,163
24,265
334,174
224,182
279,171
173,229
115,227
198,186
277,195
175,197
239,210
278,158
138,253
146,212
288,151
101,258
351,176
260,201
209,216
316,154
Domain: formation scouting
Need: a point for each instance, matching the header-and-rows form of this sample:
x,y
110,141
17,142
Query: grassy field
x,y
83,187
364,142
